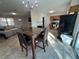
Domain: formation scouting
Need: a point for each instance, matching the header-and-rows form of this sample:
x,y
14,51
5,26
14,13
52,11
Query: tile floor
x,y
10,49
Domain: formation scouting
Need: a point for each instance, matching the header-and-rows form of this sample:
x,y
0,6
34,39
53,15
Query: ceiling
x,y
59,6
8,6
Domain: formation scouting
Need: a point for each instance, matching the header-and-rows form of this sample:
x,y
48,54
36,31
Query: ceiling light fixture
x,y
13,13
36,5
51,11
36,1
23,2
31,3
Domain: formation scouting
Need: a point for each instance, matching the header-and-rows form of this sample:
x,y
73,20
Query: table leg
x,y
33,48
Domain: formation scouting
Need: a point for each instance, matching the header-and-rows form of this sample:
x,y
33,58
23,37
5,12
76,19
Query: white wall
x,y
36,17
76,28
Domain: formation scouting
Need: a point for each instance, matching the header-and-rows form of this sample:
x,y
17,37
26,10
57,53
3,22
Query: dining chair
x,y
24,41
42,37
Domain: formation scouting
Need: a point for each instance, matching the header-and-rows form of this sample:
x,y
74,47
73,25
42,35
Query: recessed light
x,y
19,19
51,11
13,13
23,2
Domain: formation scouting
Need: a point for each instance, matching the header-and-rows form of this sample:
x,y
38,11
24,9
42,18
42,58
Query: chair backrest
x,y
42,34
21,38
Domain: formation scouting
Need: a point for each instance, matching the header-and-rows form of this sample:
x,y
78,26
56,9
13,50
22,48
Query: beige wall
x,y
22,23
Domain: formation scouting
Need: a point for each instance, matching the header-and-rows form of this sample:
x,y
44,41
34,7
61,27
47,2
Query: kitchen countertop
x,y
62,50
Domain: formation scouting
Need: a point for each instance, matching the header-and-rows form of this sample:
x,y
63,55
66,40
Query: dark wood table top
x,y
33,32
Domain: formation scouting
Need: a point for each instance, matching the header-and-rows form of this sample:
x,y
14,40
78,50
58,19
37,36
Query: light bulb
x,y
13,13
23,2
36,1
36,5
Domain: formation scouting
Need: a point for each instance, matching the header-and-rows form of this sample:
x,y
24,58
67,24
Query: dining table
x,y
33,33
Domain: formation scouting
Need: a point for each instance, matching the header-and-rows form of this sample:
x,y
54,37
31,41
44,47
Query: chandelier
x,y
30,3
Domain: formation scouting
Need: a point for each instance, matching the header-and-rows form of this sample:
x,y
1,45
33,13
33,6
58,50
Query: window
x,y
10,21
3,22
6,21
